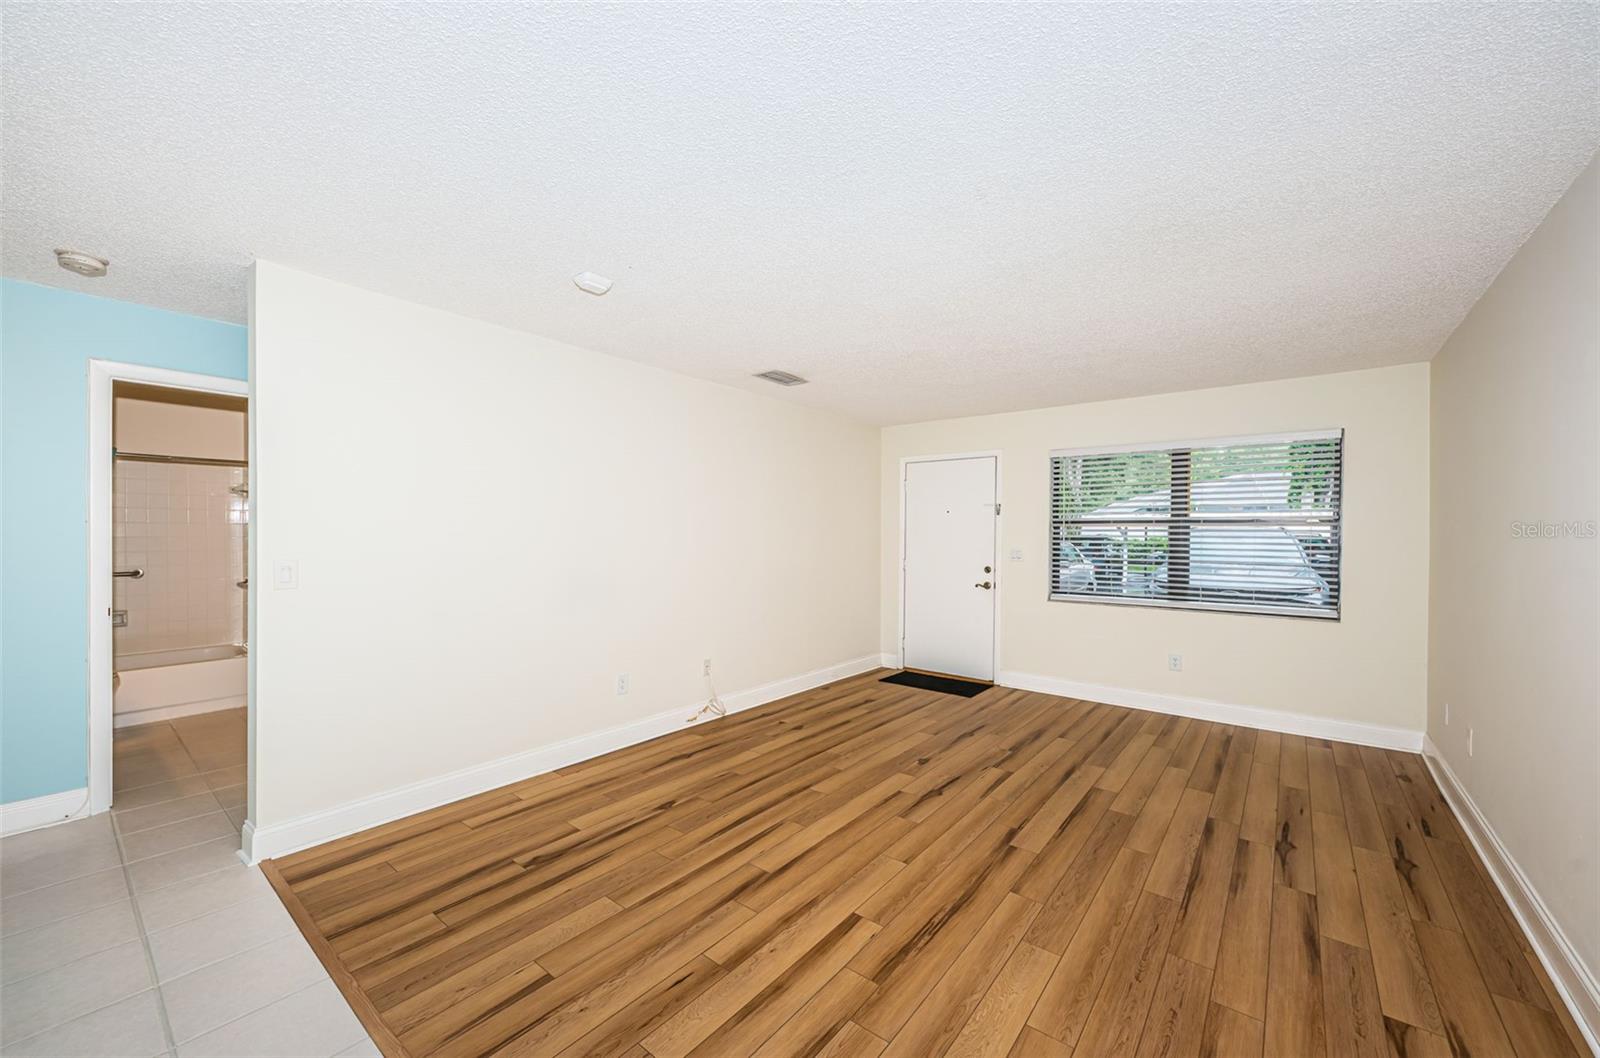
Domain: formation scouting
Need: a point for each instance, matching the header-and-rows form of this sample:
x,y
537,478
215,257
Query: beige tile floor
x,y
140,933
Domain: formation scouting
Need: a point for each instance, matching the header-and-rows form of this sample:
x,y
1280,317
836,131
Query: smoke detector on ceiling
x,y
590,283
84,264
782,378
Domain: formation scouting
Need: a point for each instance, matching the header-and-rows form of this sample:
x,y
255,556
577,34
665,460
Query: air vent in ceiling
x,y
782,378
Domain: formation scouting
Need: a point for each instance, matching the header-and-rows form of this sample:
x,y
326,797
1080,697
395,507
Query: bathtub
x,y
162,684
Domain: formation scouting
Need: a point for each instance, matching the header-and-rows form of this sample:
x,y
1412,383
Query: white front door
x,y
950,566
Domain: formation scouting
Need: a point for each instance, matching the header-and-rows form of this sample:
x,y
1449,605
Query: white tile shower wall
x,y
183,526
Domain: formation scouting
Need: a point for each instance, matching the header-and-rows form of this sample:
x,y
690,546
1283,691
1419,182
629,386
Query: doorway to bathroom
x,y
169,607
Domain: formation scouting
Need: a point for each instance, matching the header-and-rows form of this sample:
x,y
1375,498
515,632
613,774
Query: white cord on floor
x,y
713,707
81,812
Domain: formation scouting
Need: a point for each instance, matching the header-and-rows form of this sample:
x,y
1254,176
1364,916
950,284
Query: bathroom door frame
x,y
103,377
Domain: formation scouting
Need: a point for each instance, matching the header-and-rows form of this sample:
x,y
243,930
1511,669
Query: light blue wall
x,y
47,337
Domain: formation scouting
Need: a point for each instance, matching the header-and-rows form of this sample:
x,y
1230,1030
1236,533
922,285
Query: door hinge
x,y
997,510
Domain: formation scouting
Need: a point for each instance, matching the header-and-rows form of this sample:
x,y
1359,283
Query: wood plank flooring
x,y
877,871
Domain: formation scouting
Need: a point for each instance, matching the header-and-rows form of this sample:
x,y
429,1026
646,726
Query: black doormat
x,y
942,684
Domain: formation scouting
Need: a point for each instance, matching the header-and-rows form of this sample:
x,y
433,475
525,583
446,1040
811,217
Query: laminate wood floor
x,y
872,870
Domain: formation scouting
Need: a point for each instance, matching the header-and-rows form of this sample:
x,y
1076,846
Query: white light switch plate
x,y
285,575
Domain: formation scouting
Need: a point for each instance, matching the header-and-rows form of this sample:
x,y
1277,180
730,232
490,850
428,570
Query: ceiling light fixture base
x,y
591,283
83,264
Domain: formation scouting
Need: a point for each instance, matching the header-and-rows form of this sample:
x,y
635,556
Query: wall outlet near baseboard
x,y
622,684
705,667
1175,662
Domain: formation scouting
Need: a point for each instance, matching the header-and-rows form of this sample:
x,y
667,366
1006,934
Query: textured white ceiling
x,y
927,210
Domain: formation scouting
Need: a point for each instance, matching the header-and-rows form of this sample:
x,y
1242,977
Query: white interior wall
x,y
664,519
1516,584
1368,669
490,526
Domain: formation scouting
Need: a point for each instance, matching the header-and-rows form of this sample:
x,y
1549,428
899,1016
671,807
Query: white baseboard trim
x,y
1221,712
888,661
1575,980
739,701
247,837
278,839
36,812
173,712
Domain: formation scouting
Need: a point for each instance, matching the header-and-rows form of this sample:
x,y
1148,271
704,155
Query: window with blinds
x,y
1248,524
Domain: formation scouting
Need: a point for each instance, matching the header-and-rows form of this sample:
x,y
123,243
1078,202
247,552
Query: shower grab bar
x,y
150,457
136,574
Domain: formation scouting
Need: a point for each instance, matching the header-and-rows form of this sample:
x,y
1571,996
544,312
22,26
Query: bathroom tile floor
x,y
140,933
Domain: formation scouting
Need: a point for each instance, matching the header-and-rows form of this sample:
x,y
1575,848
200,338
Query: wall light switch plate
x,y
285,575
1016,554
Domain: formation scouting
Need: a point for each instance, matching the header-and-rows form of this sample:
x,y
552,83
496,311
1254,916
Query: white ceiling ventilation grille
x,y
782,378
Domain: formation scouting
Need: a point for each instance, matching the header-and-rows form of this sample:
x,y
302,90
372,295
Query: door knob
x,y
983,584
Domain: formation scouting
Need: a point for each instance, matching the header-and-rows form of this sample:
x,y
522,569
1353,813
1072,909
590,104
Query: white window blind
x,y
1247,524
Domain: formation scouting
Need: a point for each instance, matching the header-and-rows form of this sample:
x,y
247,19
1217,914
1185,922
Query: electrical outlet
x,y
622,683
705,667
1175,662
1469,741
